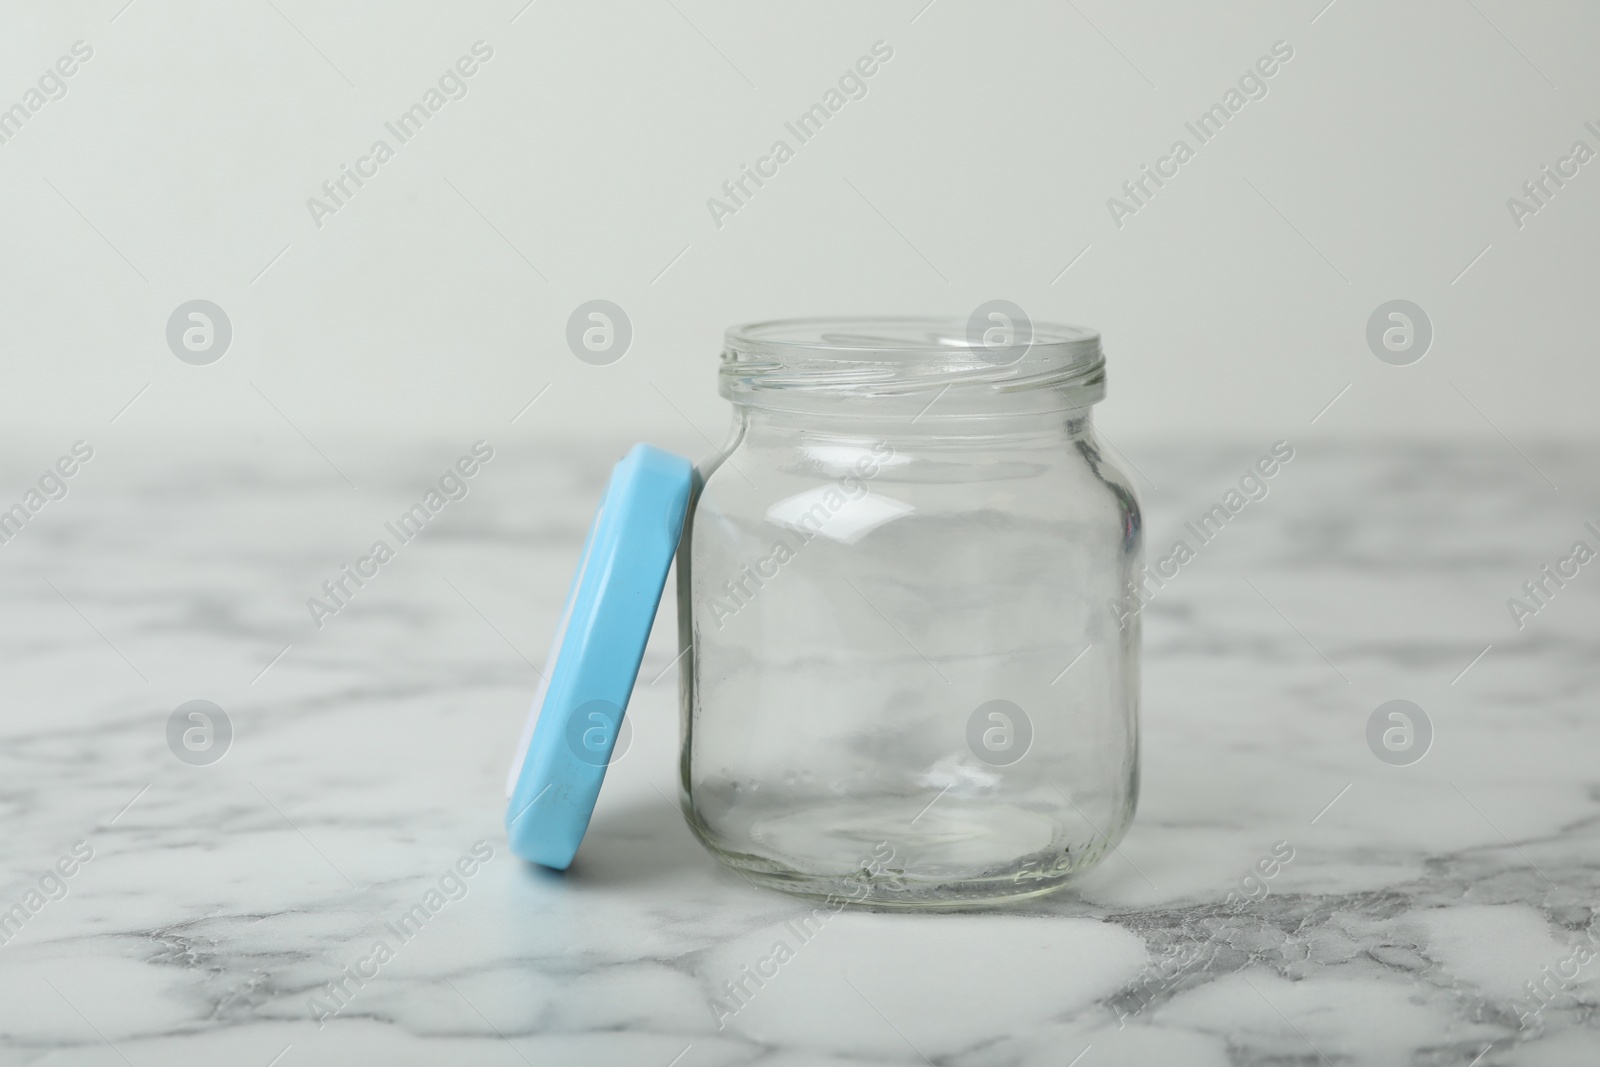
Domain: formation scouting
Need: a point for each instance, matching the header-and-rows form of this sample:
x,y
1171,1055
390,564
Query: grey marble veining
x,y
369,755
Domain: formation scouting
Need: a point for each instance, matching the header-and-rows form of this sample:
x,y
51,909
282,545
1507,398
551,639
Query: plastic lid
x,y
595,657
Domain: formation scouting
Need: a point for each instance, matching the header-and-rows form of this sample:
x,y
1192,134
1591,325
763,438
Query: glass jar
x,y
908,675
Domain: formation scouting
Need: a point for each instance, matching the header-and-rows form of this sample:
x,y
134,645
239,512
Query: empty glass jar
x,y
909,675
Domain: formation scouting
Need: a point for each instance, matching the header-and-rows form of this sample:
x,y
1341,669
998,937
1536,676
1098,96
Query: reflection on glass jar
x,y
907,680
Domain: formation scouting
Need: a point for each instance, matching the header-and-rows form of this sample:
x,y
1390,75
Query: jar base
x,y
838,893
893,852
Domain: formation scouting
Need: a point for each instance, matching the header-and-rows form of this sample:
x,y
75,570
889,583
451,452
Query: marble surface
x,y
368,757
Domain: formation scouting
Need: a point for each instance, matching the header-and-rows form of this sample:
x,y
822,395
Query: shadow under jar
x,y
907,676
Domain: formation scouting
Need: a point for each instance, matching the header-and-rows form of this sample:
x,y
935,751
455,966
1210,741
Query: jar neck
x,y
754,423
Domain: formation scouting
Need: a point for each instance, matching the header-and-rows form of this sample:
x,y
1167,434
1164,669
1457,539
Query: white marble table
x,y
368,759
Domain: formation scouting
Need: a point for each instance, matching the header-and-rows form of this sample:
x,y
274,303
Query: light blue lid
x,y
594,659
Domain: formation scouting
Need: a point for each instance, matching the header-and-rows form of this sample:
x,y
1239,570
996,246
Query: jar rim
x,y
848,338
978,358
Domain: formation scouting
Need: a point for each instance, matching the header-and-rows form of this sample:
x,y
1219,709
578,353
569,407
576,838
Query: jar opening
x,y
985,364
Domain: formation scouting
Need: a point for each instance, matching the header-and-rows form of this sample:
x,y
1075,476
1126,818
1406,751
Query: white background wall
x,y
434,304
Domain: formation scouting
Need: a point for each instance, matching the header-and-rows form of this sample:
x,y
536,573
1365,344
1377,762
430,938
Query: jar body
x,y
907,680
